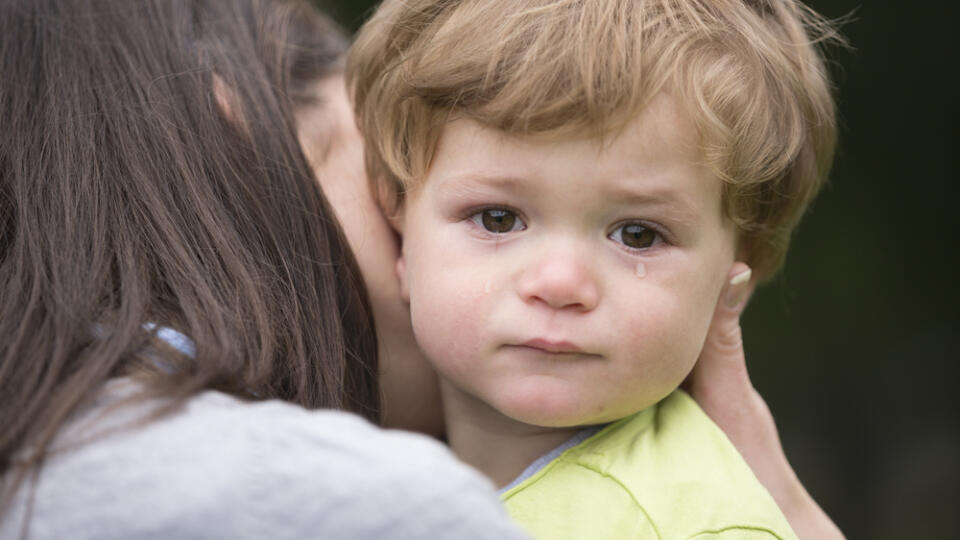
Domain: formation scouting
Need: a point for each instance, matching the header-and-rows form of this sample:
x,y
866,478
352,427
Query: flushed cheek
x,y
449,308
657,339
654,346
686,292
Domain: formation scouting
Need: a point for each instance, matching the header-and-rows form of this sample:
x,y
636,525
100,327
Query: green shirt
x,y
665,472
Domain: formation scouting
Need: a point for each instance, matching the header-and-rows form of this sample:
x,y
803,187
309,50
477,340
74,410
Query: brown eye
x,y
498,220
635,236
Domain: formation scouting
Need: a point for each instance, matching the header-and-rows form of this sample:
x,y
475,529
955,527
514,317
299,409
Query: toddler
x,y
574,183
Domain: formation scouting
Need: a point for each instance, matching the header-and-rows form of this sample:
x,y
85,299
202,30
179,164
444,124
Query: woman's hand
x,y
721,385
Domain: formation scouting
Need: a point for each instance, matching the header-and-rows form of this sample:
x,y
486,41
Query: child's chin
x,y
555,422
554,411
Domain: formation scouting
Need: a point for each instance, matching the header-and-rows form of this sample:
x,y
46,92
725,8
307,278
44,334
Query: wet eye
x,y
634,235
498,220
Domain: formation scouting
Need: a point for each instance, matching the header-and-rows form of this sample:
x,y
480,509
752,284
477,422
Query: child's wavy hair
x,y
750,73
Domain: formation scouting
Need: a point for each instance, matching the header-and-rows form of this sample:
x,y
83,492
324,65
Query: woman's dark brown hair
x,y
150,176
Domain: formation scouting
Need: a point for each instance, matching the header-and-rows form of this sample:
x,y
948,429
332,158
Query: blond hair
x,y
750,72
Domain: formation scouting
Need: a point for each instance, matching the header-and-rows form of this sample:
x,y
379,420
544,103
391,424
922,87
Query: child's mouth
x,y
554,347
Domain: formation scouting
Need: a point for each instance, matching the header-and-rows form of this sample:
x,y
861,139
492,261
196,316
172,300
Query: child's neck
x,y
497,445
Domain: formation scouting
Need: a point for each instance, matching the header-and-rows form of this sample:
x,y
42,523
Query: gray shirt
x,y
222,468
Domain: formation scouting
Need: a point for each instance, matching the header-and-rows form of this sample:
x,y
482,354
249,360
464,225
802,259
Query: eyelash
x,y
658,239
475,215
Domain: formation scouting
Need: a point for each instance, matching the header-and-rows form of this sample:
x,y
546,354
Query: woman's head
x,y
151,175
328,134
333,145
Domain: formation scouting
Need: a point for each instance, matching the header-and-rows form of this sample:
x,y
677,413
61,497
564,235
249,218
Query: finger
x,y
722,355
724,336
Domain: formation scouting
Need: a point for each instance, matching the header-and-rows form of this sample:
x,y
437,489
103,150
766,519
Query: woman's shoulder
x,y
221,467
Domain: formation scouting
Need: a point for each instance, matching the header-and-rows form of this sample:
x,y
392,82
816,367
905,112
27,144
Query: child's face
x,y
566,283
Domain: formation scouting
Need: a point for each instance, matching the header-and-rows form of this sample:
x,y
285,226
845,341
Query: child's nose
x,y
561,281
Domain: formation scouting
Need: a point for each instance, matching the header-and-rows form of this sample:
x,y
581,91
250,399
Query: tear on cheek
x,y
640,270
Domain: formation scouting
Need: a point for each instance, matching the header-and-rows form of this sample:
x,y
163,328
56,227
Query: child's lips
x,y
554,347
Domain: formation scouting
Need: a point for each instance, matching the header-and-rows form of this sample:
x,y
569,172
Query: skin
x,y
328,134
719,381
547,326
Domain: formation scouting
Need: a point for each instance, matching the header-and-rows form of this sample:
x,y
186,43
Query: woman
x,y
154,189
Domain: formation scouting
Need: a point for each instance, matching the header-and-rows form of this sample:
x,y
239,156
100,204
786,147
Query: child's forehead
x,y
665,114
661,131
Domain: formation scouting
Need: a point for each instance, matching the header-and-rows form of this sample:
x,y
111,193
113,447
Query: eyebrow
x,y
669,200
460,183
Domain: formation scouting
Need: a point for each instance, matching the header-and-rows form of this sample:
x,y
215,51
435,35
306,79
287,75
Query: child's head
x,y
576,178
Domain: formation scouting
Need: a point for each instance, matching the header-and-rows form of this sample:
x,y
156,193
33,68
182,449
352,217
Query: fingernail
x,y
738,288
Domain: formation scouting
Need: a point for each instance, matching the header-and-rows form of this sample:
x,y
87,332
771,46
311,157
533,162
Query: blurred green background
x,y
856,346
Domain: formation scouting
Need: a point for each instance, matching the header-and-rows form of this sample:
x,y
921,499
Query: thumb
x,y
722,359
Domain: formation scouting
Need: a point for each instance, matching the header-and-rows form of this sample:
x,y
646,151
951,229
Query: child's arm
x,y
721,385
